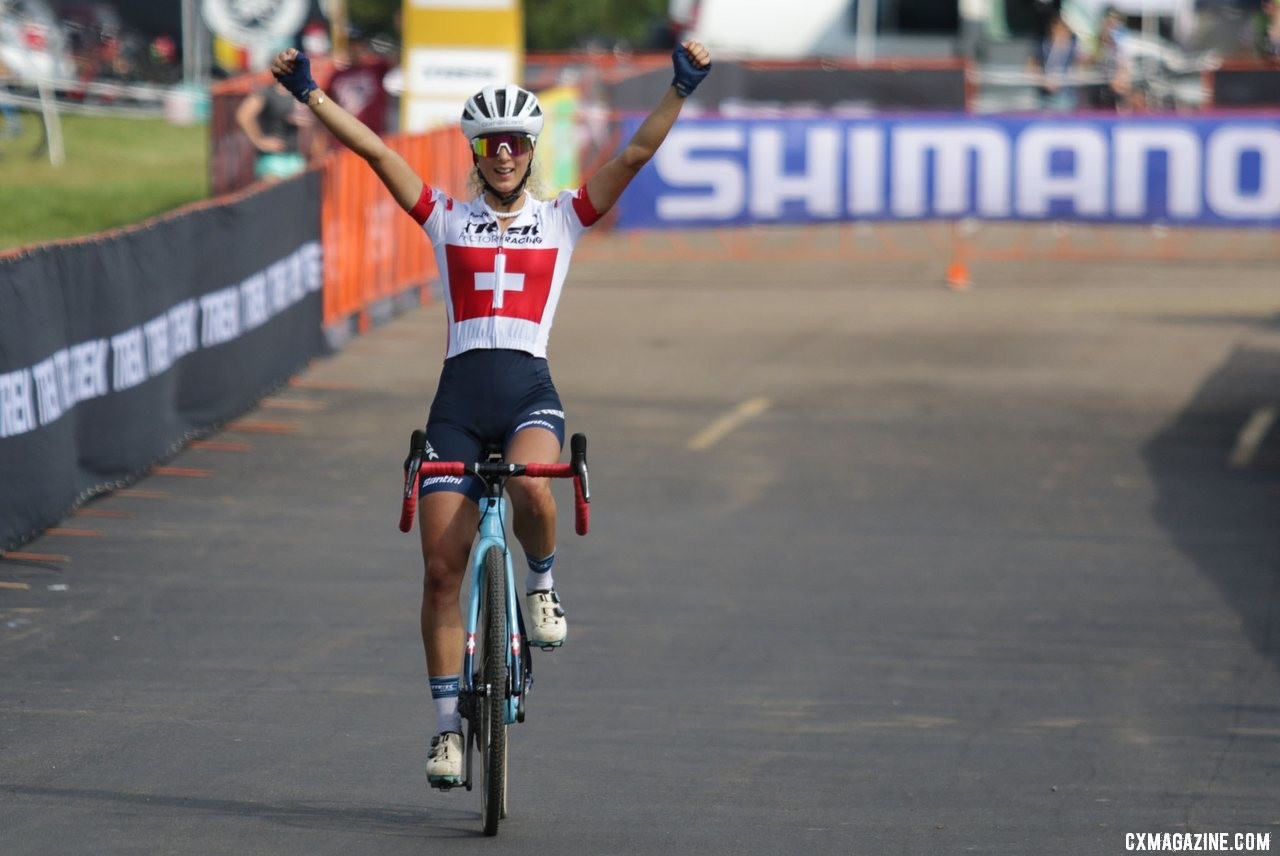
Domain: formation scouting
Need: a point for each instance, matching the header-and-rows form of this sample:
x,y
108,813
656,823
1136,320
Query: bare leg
x,y
533,506
448,524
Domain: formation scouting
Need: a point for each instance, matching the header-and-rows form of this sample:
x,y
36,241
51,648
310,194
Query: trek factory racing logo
x,y
514,283
1175,170
487,232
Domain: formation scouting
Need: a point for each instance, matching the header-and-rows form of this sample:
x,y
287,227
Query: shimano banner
x,y
1159,169
115,351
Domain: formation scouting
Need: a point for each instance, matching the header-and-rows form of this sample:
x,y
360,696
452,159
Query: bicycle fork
x,y
519,659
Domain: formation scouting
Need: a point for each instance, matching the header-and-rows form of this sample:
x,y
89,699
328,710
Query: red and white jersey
x,y
501,288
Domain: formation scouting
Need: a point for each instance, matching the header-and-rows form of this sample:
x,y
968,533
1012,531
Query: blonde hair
x,y
475,185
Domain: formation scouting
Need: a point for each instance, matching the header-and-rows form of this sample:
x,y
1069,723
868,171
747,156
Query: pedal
x,y
446,786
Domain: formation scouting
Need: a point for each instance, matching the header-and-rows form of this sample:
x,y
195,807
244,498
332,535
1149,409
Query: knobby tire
x,y
493,708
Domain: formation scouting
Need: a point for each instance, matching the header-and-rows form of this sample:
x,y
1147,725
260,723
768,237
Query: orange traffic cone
x,y
958,270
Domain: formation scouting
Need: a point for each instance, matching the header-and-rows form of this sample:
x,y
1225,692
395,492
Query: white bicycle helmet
x,y
495,109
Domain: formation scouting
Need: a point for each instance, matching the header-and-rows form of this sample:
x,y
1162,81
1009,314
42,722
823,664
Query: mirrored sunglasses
x,y
490,145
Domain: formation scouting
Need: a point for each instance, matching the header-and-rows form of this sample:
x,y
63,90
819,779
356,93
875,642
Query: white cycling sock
x,y
539,577
444,692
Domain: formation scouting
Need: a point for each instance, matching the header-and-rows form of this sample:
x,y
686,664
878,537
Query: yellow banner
x,y
454,48
557,160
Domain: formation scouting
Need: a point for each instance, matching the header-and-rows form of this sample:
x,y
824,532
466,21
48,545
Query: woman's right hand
x,y
293,70
284,62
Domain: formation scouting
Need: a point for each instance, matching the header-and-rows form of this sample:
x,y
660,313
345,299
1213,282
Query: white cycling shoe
x,y
444,763
547,627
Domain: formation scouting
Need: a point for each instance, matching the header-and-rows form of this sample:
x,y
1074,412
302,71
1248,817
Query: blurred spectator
x,y
1054,58
1268,30
314,41
8,113
164,50
1223,28
270,118
1113,59
973,26
164,57
98,39
358,83
983,23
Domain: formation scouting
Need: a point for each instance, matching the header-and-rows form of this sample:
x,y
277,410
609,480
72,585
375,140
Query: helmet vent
x,y
498,109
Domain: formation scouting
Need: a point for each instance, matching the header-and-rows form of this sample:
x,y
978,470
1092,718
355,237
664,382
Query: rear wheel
x,y
493,706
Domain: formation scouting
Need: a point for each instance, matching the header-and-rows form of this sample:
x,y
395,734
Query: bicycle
x,y
493,686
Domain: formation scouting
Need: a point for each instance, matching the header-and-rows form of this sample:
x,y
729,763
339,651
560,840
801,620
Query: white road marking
x,y
1251,436
716,431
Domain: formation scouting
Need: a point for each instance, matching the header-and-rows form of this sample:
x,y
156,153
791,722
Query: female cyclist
x,y
503,257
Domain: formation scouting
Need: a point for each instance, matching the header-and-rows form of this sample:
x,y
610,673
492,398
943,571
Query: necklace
x,y
503,215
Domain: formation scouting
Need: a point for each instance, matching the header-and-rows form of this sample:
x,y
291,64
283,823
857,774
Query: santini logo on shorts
x,y
431,481
512,284
534,423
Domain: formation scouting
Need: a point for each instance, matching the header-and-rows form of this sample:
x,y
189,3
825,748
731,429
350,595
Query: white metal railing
x,y
90,99
1016,87
53,97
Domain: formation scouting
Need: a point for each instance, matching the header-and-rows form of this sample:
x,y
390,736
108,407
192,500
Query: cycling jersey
x,y
501,288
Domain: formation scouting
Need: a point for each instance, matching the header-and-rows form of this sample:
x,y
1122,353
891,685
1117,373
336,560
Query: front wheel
x,y
493,677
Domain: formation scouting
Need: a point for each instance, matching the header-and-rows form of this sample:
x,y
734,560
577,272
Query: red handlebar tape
x,y
581,511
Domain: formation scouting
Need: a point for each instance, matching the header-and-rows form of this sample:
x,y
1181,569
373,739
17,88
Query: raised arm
x,y
293,69
692,63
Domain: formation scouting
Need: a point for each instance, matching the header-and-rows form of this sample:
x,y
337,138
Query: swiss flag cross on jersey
x,y
512,284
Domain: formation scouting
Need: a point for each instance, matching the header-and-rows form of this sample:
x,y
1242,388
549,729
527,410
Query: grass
x,y
117,172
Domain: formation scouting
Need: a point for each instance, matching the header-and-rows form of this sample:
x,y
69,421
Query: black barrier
x,y
1246,85
116,351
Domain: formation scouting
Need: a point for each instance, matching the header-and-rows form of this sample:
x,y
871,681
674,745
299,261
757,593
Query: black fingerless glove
x,y
688,75
299,81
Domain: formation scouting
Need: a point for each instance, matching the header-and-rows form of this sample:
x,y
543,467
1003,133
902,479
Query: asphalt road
x,y
876,568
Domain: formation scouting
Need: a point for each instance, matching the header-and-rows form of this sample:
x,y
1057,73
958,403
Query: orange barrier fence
x,y
373,251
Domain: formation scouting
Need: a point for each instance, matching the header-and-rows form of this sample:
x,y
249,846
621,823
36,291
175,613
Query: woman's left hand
x,y
692,62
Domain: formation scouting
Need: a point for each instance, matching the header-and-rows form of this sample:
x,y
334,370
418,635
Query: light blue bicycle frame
x,y
493,517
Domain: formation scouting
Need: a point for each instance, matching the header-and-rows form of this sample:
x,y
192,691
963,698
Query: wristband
x,y
299,81
688,75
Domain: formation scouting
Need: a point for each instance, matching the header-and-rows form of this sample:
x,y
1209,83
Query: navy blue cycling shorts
x,y
484,398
